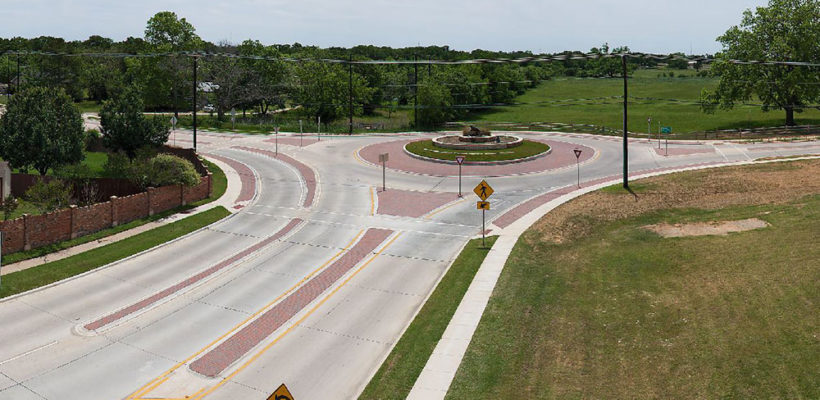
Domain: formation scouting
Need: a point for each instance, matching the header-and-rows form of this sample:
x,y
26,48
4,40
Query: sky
x,y
656,26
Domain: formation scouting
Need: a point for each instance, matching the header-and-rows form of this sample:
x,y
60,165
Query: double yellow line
x,y
156,382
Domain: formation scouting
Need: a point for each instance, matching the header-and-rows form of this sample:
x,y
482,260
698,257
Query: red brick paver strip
x,y
145,303
245,175
307,173
295,141
232,349
562,155
405,203
528,206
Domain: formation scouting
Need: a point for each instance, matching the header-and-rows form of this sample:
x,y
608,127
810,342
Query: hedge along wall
x,y
31,232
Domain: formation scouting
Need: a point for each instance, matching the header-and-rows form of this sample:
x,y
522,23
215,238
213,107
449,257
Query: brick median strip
x,y
142,304
307,173
245,175
526,207
232,349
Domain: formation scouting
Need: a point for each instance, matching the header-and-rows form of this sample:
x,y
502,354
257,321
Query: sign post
x,y
319,128
383,159
276,139
233,118
459,160
483,191
1,258
649,129
301,134
665,130
578,163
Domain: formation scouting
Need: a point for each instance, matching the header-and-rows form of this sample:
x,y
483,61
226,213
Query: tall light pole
x,y
415,93
626,139
194,101
350,95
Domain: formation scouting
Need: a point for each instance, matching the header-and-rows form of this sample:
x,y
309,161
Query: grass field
x,y
558,105
592,305
21,281
529,148
399,372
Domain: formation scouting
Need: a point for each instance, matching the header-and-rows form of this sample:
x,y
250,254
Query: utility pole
x,y
350,95
8,79
626,139
17,86
415,93
194,102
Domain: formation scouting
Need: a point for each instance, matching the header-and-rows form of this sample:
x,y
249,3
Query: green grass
x,y
529,148
644,84
399,371
218,187
94,160
619,312
45,274
88,106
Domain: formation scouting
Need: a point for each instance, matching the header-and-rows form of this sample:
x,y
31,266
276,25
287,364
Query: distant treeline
x,y
442,92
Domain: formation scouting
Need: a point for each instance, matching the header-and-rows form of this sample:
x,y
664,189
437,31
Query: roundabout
x,y
550,155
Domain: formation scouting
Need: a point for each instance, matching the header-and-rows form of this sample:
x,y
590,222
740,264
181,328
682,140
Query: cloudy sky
x,y
547,25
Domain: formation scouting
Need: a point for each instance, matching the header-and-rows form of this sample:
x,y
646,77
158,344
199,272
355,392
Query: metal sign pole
x,y
276,138
483,228
384,176
1,258
459,180
578,164
626,119
194,111
301,134
319,129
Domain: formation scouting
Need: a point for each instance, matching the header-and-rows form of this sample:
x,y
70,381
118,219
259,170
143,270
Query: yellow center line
x,y
297,323
372,202
153,384
440,209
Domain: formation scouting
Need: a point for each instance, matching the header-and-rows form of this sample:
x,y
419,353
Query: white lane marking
x,y
740,149
29,352
721,153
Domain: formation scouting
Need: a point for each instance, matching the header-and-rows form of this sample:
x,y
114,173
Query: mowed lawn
x,y
561,101
593,305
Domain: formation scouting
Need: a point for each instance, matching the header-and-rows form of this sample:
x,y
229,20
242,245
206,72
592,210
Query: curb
x,y
476,163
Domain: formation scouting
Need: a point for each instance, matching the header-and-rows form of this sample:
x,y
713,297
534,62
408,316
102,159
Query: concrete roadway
x,y
312,296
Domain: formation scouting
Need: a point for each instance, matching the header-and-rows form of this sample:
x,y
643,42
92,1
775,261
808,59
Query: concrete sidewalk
x,y
227,200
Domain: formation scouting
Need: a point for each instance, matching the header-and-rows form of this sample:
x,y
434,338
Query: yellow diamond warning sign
x,y
282,393
482,205
483,190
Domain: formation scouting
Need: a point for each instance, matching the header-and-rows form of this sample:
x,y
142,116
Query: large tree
x,y
42,129
125,128
786,30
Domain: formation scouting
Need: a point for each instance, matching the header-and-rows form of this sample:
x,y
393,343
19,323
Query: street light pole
x,y
415,93
350,96
626,139
194,101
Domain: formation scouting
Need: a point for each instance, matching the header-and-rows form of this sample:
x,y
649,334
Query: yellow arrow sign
x,y
483,190
482,205
282,393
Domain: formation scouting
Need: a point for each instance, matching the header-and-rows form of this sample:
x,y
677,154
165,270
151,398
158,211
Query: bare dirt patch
x,y
707,228
709,189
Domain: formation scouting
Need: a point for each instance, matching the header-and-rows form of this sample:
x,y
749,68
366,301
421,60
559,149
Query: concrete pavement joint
x,y
354,337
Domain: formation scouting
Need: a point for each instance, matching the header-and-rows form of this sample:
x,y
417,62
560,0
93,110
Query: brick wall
x,y
28,232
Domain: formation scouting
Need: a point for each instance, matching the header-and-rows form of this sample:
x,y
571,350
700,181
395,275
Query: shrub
x,y
49,196
167,169
10,204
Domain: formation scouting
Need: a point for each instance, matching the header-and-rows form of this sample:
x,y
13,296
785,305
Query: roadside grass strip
x,y
593,304
398,373
46,274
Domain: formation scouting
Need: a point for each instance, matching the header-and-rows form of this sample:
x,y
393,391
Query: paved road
x,y
309,284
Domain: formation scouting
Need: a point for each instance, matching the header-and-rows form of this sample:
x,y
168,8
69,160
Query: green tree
x,y
786,30
42,129
125,128
166,29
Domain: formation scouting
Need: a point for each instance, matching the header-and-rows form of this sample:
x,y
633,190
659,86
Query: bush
x,y
10,204
48,197
167,169
117,166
